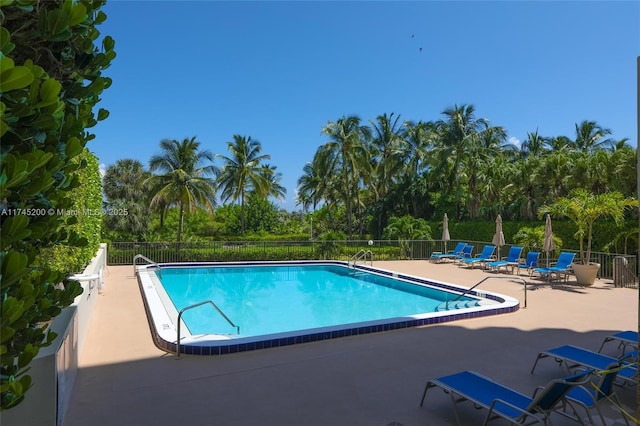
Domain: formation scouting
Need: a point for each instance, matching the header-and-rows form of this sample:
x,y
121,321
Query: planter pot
x,y
586,274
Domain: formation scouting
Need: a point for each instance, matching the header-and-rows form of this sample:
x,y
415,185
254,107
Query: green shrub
x,y
48,97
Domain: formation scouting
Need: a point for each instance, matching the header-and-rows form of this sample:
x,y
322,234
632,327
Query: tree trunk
x,y
181,223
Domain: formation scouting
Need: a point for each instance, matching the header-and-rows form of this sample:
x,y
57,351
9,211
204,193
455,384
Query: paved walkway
x,y
374,379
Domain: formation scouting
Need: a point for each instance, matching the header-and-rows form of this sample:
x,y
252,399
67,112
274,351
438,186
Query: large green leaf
x,y
12,310
14,267
108,43
6,63
49,93
74,147
15,78
14,228
29,352
102,114
5,41
77,15
17,171
57,22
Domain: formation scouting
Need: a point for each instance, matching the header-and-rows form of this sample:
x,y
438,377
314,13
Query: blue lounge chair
x,y
466,253
511,261
590,397
502,401
452,254
561,267
626,338
573,357
530,263
485,256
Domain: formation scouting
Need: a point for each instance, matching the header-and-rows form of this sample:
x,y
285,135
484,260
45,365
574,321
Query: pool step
x,y
459,304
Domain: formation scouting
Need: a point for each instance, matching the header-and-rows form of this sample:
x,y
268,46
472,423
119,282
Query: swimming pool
x,y
277,304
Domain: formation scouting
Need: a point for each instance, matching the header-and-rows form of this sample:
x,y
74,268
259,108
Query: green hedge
x,y
50,80
123,253
604,232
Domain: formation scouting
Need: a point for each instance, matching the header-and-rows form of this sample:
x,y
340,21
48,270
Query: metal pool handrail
x,y
140,256
195,306
360,255
467,291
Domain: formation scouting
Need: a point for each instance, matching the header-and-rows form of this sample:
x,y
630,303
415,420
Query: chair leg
x,y
536,363
424,394
606,340
616,401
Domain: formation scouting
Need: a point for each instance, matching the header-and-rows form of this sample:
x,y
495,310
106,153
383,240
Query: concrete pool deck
x,y
373,379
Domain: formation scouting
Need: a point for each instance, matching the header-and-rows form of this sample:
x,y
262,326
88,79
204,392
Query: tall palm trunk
x,y
347,200
181,224
242,214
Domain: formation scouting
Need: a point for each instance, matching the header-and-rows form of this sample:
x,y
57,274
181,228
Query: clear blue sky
x,y
279,71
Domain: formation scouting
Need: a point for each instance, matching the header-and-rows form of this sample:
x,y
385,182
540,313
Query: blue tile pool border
x,y
223,347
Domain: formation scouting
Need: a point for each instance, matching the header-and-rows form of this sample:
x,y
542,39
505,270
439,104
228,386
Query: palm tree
x,y
405,229
558,143
348,157
590,137
591,171
184,179
310,186
122,180
583,208
457,133
274,189
556,168
243,172
525,191
489,143
418,139
624,161
388,152
121,186
535,145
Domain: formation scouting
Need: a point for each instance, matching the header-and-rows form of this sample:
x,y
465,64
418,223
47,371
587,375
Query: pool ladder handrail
x,y
149,261
362,254
467,291
195,305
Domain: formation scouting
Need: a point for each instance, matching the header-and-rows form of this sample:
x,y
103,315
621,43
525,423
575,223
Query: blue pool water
x,y
275,299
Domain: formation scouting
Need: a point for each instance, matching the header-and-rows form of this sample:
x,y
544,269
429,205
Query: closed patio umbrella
x,y
445,231
549,244
498,238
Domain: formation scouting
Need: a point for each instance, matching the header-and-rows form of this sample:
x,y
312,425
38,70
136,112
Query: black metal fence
x,y
621,268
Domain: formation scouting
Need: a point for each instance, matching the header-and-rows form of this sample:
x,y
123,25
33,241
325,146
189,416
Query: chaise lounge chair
x,y
485,256
590,397
530,263
511,261
466,254
573,357
502,401
561,267
452,254
626,338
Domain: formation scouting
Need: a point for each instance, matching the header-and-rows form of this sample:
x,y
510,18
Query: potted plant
x,y
583,208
